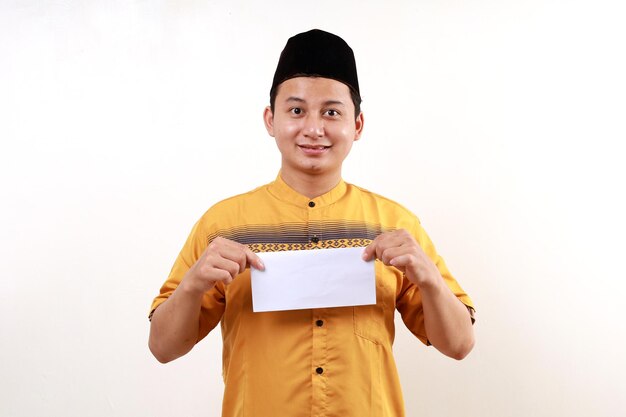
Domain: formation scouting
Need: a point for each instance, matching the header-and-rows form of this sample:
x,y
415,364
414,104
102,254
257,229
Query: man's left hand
x,y
399,249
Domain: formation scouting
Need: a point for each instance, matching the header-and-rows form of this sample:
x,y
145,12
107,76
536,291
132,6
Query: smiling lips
x,y
313,149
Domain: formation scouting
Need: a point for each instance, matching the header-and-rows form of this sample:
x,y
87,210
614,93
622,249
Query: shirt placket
x,y
319,357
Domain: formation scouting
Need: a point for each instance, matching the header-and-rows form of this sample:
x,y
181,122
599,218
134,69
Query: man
x,y
318,362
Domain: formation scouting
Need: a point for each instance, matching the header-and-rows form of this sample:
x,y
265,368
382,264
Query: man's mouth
x,y
316,147
313,149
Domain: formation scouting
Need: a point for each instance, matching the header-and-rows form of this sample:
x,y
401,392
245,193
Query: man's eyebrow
x,y
333,102
326,103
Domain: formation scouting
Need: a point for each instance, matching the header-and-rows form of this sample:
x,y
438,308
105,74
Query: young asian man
x,y
326,361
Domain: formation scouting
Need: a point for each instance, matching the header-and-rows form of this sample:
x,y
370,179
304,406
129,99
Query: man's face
x,y
314,125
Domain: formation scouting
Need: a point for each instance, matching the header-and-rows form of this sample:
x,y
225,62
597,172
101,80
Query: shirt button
x,y
311,203
319,370
315,239
319,323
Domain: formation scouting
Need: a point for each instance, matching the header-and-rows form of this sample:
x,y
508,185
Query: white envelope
x,y
317,278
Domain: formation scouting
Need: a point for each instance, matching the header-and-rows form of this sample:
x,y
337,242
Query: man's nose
x,y
314,126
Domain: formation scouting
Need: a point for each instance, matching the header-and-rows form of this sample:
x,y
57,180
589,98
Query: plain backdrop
x,y
499,123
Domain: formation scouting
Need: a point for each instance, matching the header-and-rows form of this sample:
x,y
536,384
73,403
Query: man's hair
x,y
356,98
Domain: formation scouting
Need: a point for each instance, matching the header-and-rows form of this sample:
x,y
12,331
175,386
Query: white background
x,y
500,123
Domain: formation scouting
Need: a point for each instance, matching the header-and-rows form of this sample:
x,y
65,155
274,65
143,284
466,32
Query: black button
x,y
319,370
319,323
315,239
311,203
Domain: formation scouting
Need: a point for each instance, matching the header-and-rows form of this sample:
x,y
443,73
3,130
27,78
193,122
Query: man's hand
x,y
447,321
174,328
221,261
398,248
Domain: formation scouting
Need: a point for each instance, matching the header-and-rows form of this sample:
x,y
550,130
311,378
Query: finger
x,y
403,261
253,259
395,238
239,253
241,258
382,244
369,251
392,252
221,275
374,249
233,251
225,264
224,246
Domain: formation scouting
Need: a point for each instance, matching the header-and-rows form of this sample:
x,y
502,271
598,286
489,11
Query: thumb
x,y
368,252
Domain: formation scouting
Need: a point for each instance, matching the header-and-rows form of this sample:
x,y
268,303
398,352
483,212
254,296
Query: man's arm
x,y
175,323
446,319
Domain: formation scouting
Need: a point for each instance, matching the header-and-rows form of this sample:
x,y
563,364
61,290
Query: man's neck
x,y
311,185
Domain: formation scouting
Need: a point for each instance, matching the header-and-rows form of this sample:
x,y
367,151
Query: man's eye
x,y
296,110
332,113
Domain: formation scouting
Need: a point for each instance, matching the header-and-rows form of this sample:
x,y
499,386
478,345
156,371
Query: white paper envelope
x,y
317,278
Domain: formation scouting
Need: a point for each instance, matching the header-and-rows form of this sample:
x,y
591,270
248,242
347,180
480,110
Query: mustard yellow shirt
x,y
317,362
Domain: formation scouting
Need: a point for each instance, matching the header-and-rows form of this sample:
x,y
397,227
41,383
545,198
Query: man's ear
x,y
268,119
359,126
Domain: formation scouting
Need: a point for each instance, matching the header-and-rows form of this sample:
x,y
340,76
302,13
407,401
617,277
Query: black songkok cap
x,y
317,53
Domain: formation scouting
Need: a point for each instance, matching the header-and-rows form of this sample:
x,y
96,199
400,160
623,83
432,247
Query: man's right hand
x,y
174,327
222,260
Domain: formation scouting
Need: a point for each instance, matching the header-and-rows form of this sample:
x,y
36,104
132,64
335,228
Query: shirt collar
x,y
284,192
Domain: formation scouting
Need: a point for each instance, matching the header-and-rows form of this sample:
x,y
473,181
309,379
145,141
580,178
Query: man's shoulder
x,y
384,203
235,202
231,212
